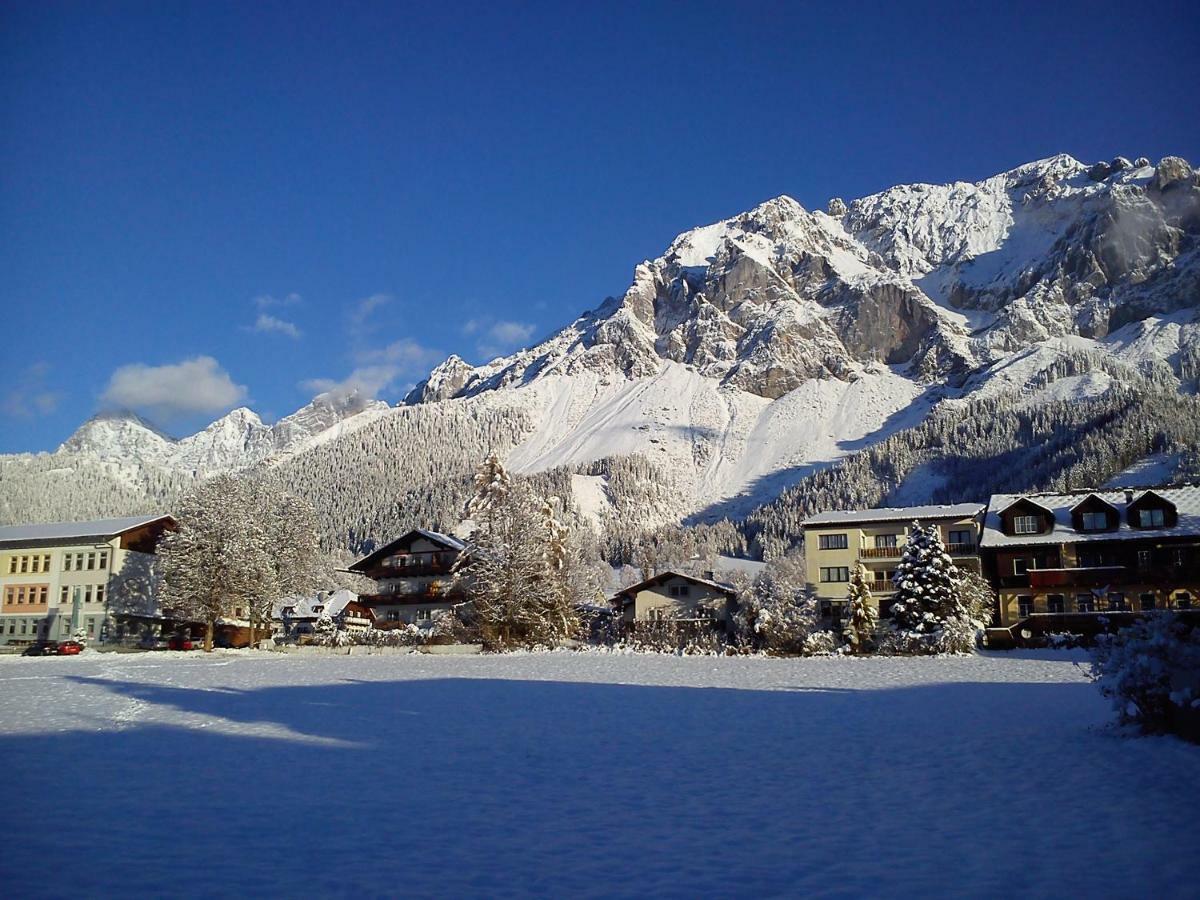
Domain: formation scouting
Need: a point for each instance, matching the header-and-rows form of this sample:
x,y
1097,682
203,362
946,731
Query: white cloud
x,y
267,324
168,392
30,396
360,325
380,369
498,337
266,301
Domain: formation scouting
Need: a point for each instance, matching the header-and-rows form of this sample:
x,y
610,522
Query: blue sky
x,y
207,205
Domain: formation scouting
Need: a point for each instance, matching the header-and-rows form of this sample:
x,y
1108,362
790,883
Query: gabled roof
x,y
727,589
893,514
1152,495
436,537
97,529
1022,498
1093,496
1185,499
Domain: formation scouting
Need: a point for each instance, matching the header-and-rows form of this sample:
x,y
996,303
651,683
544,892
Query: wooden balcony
x,y
1095,576
402,597
962,549
882,587
880,552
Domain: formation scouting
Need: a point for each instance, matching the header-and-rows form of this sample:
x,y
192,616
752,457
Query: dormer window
x,y
1151,518
1026,525
1152,510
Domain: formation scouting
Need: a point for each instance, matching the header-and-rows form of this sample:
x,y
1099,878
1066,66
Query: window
x,y
1026,525
835,573
681,590
91,564
87,594
1095,521
1143,559
12,565
1147,601
833,541
99,593
961,536
64,596
1055,603
1085,603
1151,518
66,562
1116,601
24,564
424,615
1025,606
885,541
78,562
102,560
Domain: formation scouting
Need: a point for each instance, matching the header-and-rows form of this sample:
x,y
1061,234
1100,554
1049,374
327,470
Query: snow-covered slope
x,y
756,349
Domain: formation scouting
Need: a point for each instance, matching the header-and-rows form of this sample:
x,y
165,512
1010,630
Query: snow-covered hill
x,y
757,349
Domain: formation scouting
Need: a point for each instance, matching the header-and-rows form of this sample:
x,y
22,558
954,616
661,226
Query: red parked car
x,y
180,642
69,648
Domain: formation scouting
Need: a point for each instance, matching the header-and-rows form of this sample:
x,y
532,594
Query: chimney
x,y
1128,496
710,576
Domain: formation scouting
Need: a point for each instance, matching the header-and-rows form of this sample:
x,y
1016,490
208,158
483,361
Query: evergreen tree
x,y
858,626
516,570
927,586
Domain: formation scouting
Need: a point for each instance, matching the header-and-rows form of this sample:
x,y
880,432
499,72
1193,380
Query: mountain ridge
x,y
758,349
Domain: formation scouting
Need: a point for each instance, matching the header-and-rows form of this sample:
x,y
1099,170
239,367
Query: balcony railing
x,y
896,552
880,552
1092,576
398,597
882,587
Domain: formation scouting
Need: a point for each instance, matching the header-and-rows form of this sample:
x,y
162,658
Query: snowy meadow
x,y
584,774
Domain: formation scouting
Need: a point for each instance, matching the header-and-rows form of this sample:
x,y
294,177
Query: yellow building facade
x,y
835,542
49,571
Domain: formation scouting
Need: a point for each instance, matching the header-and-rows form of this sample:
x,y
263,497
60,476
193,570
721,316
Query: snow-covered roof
x,y
69,531
893,514
664,576
312,607
444,540
1186,500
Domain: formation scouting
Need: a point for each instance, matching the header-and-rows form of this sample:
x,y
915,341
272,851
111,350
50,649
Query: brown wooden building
x,y
413,578
1060,562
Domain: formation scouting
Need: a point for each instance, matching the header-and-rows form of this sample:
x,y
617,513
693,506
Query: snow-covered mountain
x,y
757,349
237,440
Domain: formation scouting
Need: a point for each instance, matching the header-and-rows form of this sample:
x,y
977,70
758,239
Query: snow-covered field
x,y
583,774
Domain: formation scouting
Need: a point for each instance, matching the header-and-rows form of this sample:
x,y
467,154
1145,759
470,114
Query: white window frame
x,y
1027,525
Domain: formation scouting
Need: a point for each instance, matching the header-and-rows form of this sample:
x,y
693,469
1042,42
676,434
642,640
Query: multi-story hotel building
x,y
835,542
1059,560
57,578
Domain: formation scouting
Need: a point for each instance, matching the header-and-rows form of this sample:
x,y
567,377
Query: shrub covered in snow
x,y
821,643
1151,671
775,613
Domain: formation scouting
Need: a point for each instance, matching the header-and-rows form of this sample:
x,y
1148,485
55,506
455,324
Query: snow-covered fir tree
x,y
861,618
928,597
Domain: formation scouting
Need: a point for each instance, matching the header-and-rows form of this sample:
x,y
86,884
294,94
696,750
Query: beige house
x,y
835,542
64,576
677,596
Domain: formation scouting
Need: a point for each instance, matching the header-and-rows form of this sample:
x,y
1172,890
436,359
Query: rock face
x,y
936,279
1171,169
